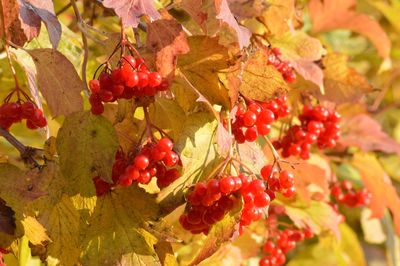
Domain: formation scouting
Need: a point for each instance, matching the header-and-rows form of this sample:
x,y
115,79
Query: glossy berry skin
x,y
319,126
11,113
256,118
130,79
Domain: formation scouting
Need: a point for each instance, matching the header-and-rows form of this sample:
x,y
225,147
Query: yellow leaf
x,y
202,66
261,81
34,231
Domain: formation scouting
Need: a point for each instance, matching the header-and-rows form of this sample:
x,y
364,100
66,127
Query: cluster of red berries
x,y
257,118
11,113
130,79
153,160
285,240
346,194
286,69
255,197
318,126
278,181
208,203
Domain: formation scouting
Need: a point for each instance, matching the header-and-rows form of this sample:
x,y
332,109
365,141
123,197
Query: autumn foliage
x,y
199,132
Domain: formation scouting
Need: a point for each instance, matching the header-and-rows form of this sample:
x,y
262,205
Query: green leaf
x,y
221,232
198,155
319,216
330,251
86,145
169,116
116,233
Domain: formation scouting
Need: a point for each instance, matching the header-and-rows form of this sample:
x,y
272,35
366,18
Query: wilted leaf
x,y
317,215
377,182
202,65
342,83
280,16
366,133
86,145
58,81
261,81
340,14
166,38
130,11
165,253
224,14
18,187
116,233
221,232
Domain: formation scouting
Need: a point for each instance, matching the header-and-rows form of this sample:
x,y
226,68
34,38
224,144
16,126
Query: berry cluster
x,y
255,197
286,69
130,79
257,118
282,243
208,203
14,112
278,181
346,194
318,126
153,160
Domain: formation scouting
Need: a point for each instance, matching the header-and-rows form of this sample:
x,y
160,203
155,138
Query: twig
x,y
275,154
148,123
386,86
25,151
62,10
85,46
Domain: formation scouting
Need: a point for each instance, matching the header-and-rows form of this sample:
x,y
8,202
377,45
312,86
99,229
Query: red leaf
x,y
33,11
23,18
383,192
131,10
364,132
166,39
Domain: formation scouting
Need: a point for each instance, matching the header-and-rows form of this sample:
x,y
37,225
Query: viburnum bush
x,y
218,132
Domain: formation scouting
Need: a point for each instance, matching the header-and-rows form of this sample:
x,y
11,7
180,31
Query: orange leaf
x,y
165,37
340,14
383,192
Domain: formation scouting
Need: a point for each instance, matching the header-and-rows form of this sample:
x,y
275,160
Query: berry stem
x,y
148,122
275,154
85,46
242,164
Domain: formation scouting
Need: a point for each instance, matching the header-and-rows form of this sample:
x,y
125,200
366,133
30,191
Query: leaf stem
x,y
85,46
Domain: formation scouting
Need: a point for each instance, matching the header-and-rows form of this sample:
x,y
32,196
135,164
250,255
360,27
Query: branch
x,y
25,151
85,45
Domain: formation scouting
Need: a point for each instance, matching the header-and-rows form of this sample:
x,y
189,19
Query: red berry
x,y
141,162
